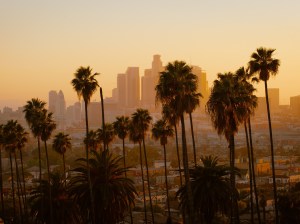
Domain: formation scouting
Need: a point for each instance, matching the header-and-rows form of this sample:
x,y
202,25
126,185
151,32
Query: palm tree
x,y
114,193
85,84
121,128
263,64
34,110
65,211
174,85
14,137
61,143
243,75
106,134
161,131
228,106
172,118
92,140
1,178
211,189
141,120
136,137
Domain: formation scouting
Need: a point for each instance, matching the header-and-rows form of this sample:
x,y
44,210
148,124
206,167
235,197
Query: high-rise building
x,y
295,105
273,99
133,87
202,85
146,82
114,95
57,105
122,90
52,100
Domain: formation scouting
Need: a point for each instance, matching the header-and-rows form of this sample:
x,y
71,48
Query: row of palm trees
x,y
231,104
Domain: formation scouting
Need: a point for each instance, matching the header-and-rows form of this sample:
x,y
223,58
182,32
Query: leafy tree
x,y
211,189
85,84
113,192
263,64
161,131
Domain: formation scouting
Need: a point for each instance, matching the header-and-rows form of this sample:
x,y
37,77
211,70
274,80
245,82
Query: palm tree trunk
x,y
1,181
64,166
88,165
143,184
272,155
253,172
250,173
24,187
178,155
187,173
12,185
40,159
49,182
18,187
103,121
166,180
124,163
148,180
235,211
193,138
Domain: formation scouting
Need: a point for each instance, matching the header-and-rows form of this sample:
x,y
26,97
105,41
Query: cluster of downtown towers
x,y
131,92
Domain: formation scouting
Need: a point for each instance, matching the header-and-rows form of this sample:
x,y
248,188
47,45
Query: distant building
x,y
133,87
202,85
122,90
57,105
273,99
295,105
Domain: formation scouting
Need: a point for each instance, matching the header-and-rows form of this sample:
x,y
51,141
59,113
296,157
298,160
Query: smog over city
x,y
149,112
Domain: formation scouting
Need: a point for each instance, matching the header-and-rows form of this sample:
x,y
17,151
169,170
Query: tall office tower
x,y
202,85
273,99
295,105
52,100
122,90
133,87
149,82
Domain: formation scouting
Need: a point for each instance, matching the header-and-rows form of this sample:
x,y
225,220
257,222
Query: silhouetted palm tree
x,y
141,120
92,140
211,189
121,128
114,193
1,178
61,143
136,137
263,64
85,84
175,84
161,131
65,211
34,110
228,106
106,135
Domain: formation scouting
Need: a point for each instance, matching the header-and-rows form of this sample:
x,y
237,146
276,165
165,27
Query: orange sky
x,y
42,43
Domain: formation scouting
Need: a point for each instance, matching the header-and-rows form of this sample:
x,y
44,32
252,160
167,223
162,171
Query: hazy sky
x,y
42,43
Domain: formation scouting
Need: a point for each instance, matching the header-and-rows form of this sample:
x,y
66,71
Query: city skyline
x,y
42,44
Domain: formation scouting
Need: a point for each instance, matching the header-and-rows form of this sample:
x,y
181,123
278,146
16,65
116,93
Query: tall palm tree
x,y
34,110
85,84
170,115
106,134
174,85
212,189
14,137
263,64
121,128
136,137
114,193
243,75
161,131
228,105
193,101
65,211
141,120
1,178
61,143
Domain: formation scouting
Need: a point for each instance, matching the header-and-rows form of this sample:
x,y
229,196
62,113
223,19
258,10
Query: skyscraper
x,y
122,90
273,99
57,105
133,87
202,85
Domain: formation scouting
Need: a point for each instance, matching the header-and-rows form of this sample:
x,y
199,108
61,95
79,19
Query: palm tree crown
x,y
161,131
121,126
61,143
